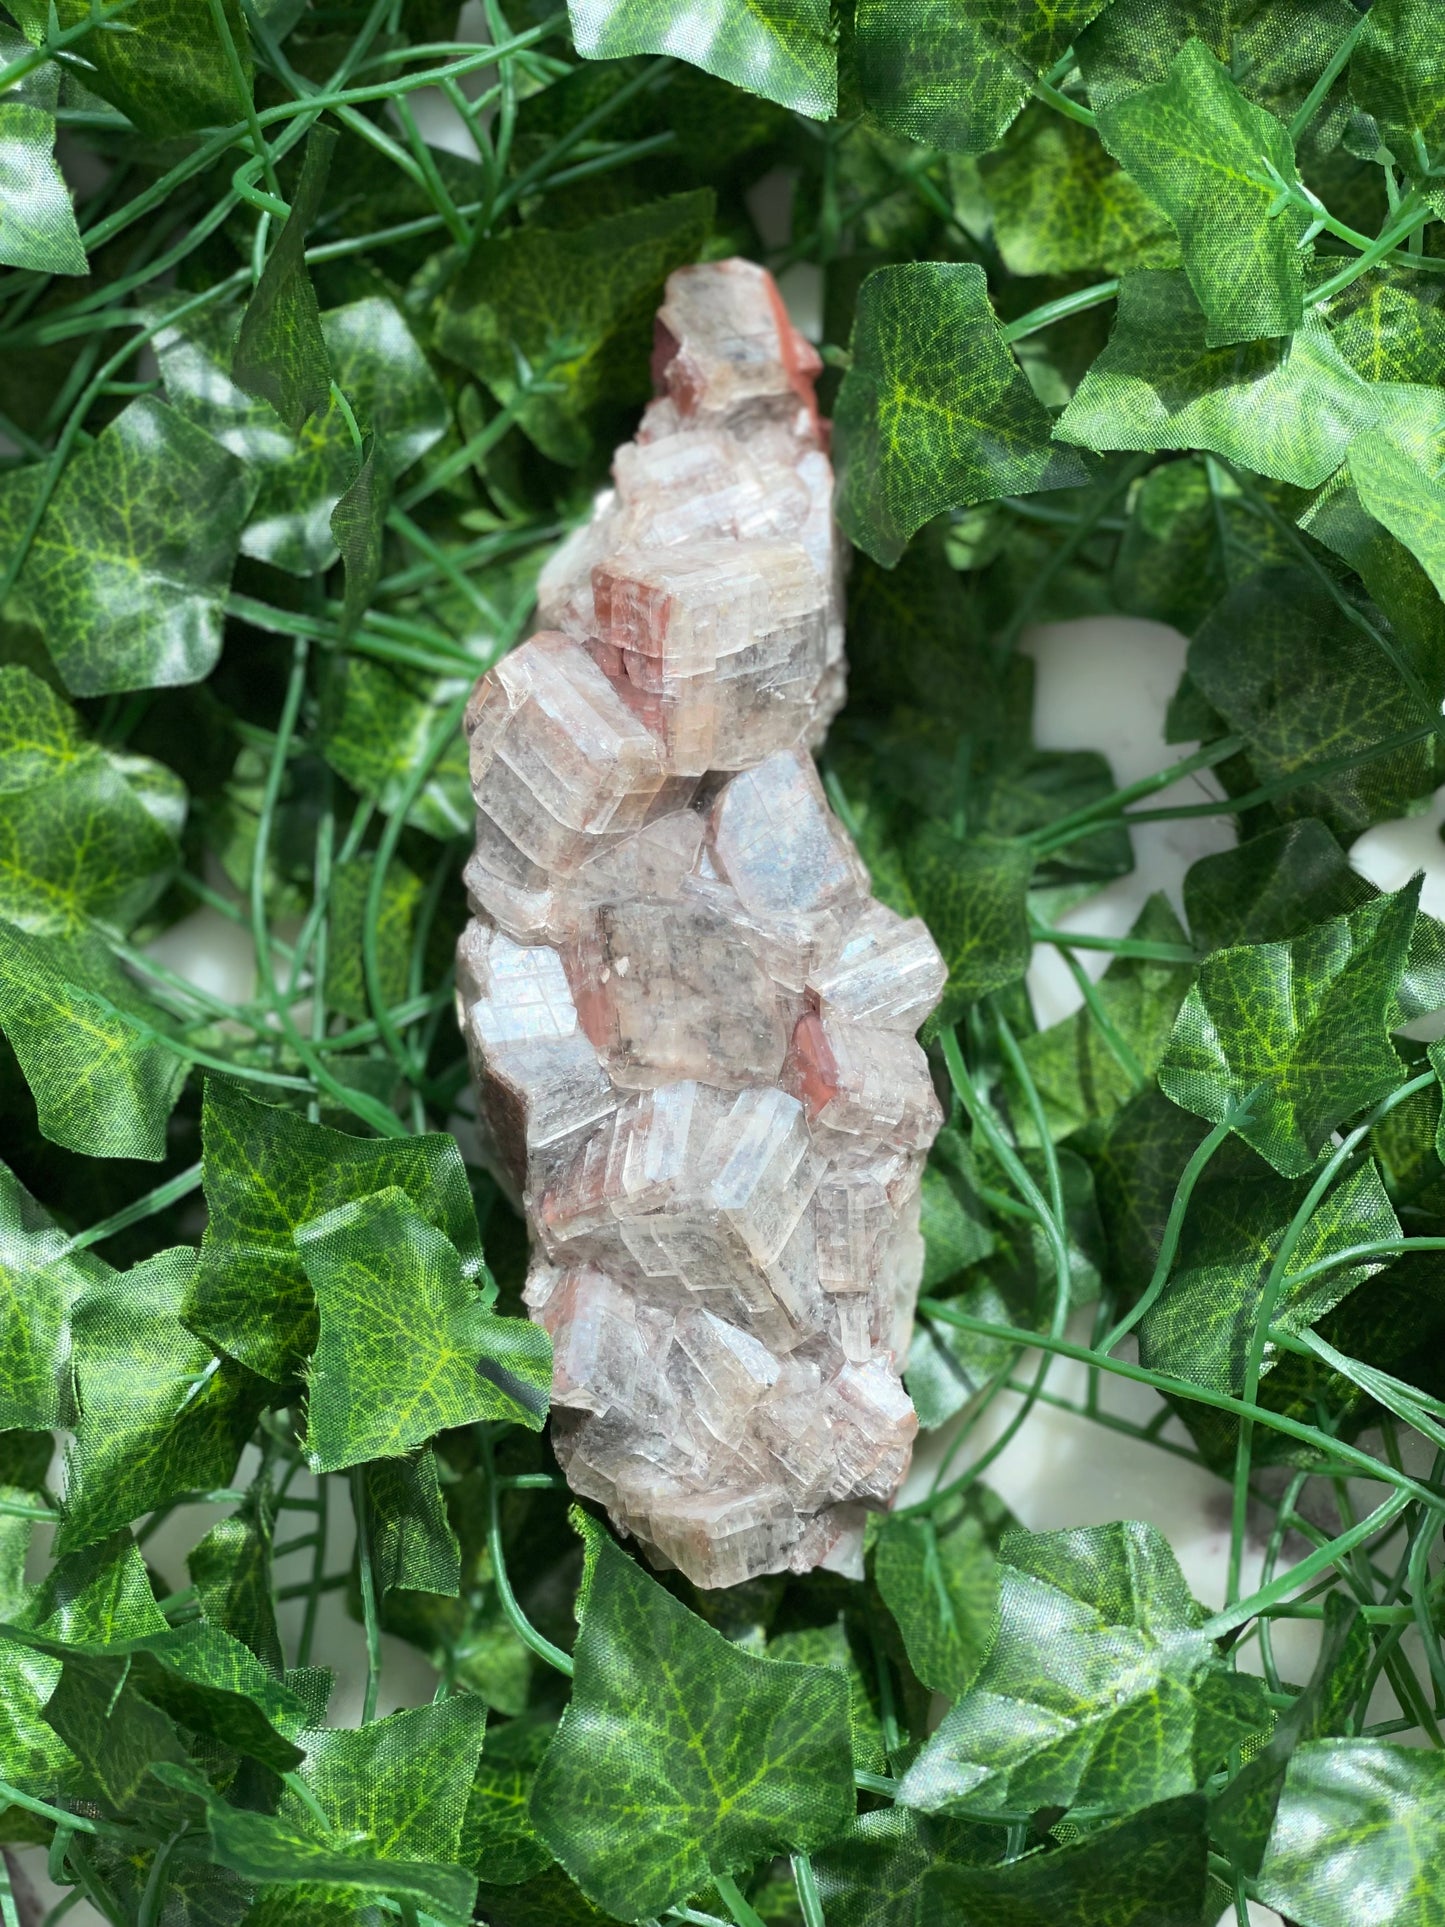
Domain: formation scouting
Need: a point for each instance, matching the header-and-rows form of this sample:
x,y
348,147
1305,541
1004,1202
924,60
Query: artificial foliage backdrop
x,y
1128,305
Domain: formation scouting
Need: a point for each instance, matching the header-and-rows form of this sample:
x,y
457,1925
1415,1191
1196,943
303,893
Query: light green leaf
x,y
498,1837
346,986
1100,1689
729,1758
934,412
575,304
96,1597
973,897
942,1589
93,1050
375,723
281,354
954,76
39,1282
1358,1819
413,1546
1396,490
1288,410
780,49
406,1348
1303,1023
1397,74
37,222
830,1645
128,573
401,1784
1213,161
167,71
266,1171
1389,325
158,1414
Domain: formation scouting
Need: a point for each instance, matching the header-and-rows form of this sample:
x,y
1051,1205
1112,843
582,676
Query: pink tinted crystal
x,y
690,1025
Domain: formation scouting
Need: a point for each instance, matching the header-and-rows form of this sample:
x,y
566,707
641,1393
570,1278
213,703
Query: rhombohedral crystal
x,y
691,1026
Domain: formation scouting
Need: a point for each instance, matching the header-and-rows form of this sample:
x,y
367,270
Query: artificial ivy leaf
x,y
1274,659
498,1837
1397,75
87,838
1242,1816
1302,1024
934,412
168,71
1396,490
265,1172
281,354
358,527
158,1414
874,1875
413,1546
401,1784
1083,1076
37,222
93,1050
572,305
1389,324
303,477
98,1712
954,1219
406,1347
781,50
1396,581
391,934
942,1589
1061,206
955,76
231,1571
1287,410
730,1758
96,1597
1150,1867
39,1282
830,1645
1358,1817
376,720
128,573
1213,161
973,896
1192,534
547,1899
33,1757
1100,1689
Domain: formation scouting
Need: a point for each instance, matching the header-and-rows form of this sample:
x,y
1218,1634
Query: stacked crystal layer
x,y
691,1027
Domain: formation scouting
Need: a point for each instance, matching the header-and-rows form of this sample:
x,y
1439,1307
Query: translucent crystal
x,y
691,1027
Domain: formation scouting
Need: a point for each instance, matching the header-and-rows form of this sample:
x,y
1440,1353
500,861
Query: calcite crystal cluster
x,y
691,1027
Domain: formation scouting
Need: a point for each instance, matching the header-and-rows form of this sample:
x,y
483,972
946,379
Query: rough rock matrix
x,y
691,1027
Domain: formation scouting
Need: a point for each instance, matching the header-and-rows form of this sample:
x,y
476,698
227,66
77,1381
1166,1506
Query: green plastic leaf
x,y
413,1546
358,527
780,49
934,412
1389,325
727,1758
955,76
158,1414
573,306
231,1571
1061,206
1275,658
401,893
1243,1814
830,1645
266,1171
1358,1818
37,222
1100,1689
498,1837
93,1050
954,1222
97,1597
303,477
874,1876
1286,410
942,1588
1399,494
1213,161
1302,1024
1191,536
406,1347
281,354
1398,584
1150,1867
87,838
100,1715
39,1282
401,1784
974,898
376,721
168,70
1397,75
128,573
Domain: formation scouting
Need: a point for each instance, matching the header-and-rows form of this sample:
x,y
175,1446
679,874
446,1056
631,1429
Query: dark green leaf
x,y
955,76
1191,536
1301,1023
231,1571
1389,325
571,305
955,1225
498,1837
391,932
37,222
830,1645
412,1543
406,1348
1099,1689
117,1735
281,354
268,1171
942,1588
128,573
1214,161
1397,75
99,1596
168,70
974,899
358,527
375,723
400,1784
780,49
1358,1820
728,1759
934,412
875,1875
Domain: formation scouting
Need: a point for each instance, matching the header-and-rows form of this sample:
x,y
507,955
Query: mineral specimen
x,y
690,1025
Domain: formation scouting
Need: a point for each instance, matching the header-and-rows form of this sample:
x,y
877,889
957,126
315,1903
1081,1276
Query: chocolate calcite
x,y
691,1026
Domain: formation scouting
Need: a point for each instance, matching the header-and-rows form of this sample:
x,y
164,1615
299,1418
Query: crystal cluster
x,y
691,1027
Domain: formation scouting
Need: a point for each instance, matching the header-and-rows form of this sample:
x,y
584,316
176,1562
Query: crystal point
x,y
690,1024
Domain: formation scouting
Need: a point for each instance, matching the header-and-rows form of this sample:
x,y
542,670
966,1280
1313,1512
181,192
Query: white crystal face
x,y
690,1026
